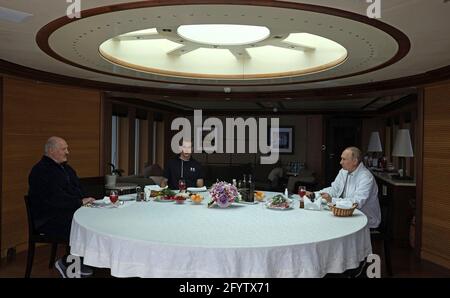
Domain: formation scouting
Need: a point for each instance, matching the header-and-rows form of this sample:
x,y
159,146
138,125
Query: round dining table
x,y
166,239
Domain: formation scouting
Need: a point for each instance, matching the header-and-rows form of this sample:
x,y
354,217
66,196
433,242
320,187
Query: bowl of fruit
x,y
180,198
259,196
196,198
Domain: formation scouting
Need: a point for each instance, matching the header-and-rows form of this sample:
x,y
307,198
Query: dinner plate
x,y
196,189
130,197
158,199
275,207
247,203
101,203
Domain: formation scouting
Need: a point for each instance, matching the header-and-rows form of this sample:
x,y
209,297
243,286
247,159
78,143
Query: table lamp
x,y
403,148
374,147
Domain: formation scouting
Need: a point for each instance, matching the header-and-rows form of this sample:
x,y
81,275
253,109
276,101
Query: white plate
x,y
269,205
102,203
158,199
196,189
247,203
130,197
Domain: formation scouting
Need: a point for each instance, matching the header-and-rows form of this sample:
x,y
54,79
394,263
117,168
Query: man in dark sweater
x,y
183,167
55,194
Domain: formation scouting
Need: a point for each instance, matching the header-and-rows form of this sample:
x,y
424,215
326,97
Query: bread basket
x,y
342,212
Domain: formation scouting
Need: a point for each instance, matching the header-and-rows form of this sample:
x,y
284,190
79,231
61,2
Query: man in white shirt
x,y
356,183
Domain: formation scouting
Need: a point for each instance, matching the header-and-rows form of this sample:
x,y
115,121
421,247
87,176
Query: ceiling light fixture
x,y
221,34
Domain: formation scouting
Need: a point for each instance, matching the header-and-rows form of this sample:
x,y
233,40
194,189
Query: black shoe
x,y
62,269
86,271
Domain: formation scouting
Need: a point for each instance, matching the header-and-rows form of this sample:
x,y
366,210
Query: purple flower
x,y
223,193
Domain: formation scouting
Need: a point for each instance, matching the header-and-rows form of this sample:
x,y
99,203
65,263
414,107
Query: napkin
x,y
309,205
344,204
154,187
148,190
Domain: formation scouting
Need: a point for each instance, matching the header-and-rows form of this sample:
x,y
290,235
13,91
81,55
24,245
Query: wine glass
x,y
181,185
301,191
114,196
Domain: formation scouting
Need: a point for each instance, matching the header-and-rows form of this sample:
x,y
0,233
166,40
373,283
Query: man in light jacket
x,y
356,183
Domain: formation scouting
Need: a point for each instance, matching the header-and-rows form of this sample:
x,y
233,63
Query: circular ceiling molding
x,y
229,52
305,43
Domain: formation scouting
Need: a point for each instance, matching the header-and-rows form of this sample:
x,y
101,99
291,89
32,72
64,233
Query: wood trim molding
x,y
388,87
150,119
131,139
419,171
105,134
1,165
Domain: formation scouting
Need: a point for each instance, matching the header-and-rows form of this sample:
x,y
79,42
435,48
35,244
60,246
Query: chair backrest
x,y
386,216
31,229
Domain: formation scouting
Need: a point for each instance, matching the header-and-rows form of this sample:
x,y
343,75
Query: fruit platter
x,y
279,202
164,195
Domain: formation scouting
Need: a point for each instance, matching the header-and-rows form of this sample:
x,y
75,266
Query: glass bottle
x,y
251,189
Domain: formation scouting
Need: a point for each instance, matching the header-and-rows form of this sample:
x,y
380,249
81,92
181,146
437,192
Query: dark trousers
x,y
59,227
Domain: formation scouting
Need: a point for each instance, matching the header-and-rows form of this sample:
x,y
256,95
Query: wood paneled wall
x,y
436,174
313,143
32,112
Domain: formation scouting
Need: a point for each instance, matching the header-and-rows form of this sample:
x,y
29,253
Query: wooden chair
x,y
36,237
383,232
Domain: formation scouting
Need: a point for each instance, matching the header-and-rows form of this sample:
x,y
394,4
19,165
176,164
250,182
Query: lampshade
x,y
374,143
402,145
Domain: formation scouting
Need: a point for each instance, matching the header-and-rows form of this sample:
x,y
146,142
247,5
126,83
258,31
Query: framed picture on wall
x,y
282,139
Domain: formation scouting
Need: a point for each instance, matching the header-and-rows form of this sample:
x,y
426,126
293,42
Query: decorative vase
x,y
110,180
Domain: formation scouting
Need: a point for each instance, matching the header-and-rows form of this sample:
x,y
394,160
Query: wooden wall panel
x,y
143,144
160,141
314,141
123,145
32,112
436,174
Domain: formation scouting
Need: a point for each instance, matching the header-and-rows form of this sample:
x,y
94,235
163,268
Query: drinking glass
x,y
114,196
302,191
181,185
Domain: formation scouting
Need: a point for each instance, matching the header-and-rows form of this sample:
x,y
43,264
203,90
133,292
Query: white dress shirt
x,y
361,188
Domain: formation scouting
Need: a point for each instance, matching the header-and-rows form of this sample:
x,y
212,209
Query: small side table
x,y
123,188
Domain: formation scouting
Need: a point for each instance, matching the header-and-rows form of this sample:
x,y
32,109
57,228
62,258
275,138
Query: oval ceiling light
x,y
223,34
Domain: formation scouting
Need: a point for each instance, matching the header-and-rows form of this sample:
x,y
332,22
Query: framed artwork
x,y
284,137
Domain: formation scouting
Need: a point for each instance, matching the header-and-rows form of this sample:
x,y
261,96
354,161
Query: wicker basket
x,y
343,212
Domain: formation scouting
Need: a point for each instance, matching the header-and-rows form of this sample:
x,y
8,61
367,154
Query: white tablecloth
x,y
164,239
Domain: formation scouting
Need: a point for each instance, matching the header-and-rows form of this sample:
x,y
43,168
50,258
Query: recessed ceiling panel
x,y
295,45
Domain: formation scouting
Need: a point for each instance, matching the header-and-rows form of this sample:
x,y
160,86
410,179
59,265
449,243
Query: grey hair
x,y
52,143
356,153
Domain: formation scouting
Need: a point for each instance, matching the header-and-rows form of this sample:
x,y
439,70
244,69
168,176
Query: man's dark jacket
x,y
54,190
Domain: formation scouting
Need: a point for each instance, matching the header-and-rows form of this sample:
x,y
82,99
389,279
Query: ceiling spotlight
x,y
227,90
275,110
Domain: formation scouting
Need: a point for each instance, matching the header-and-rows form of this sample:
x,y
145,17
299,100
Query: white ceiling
x,y
424,22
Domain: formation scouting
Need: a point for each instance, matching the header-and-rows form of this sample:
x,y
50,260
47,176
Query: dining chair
x,y
383,232
36,237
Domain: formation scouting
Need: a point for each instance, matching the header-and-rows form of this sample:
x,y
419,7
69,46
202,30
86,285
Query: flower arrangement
x,y
222,194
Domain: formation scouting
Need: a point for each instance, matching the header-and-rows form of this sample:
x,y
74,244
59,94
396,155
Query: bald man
x,y
55,194
356,183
